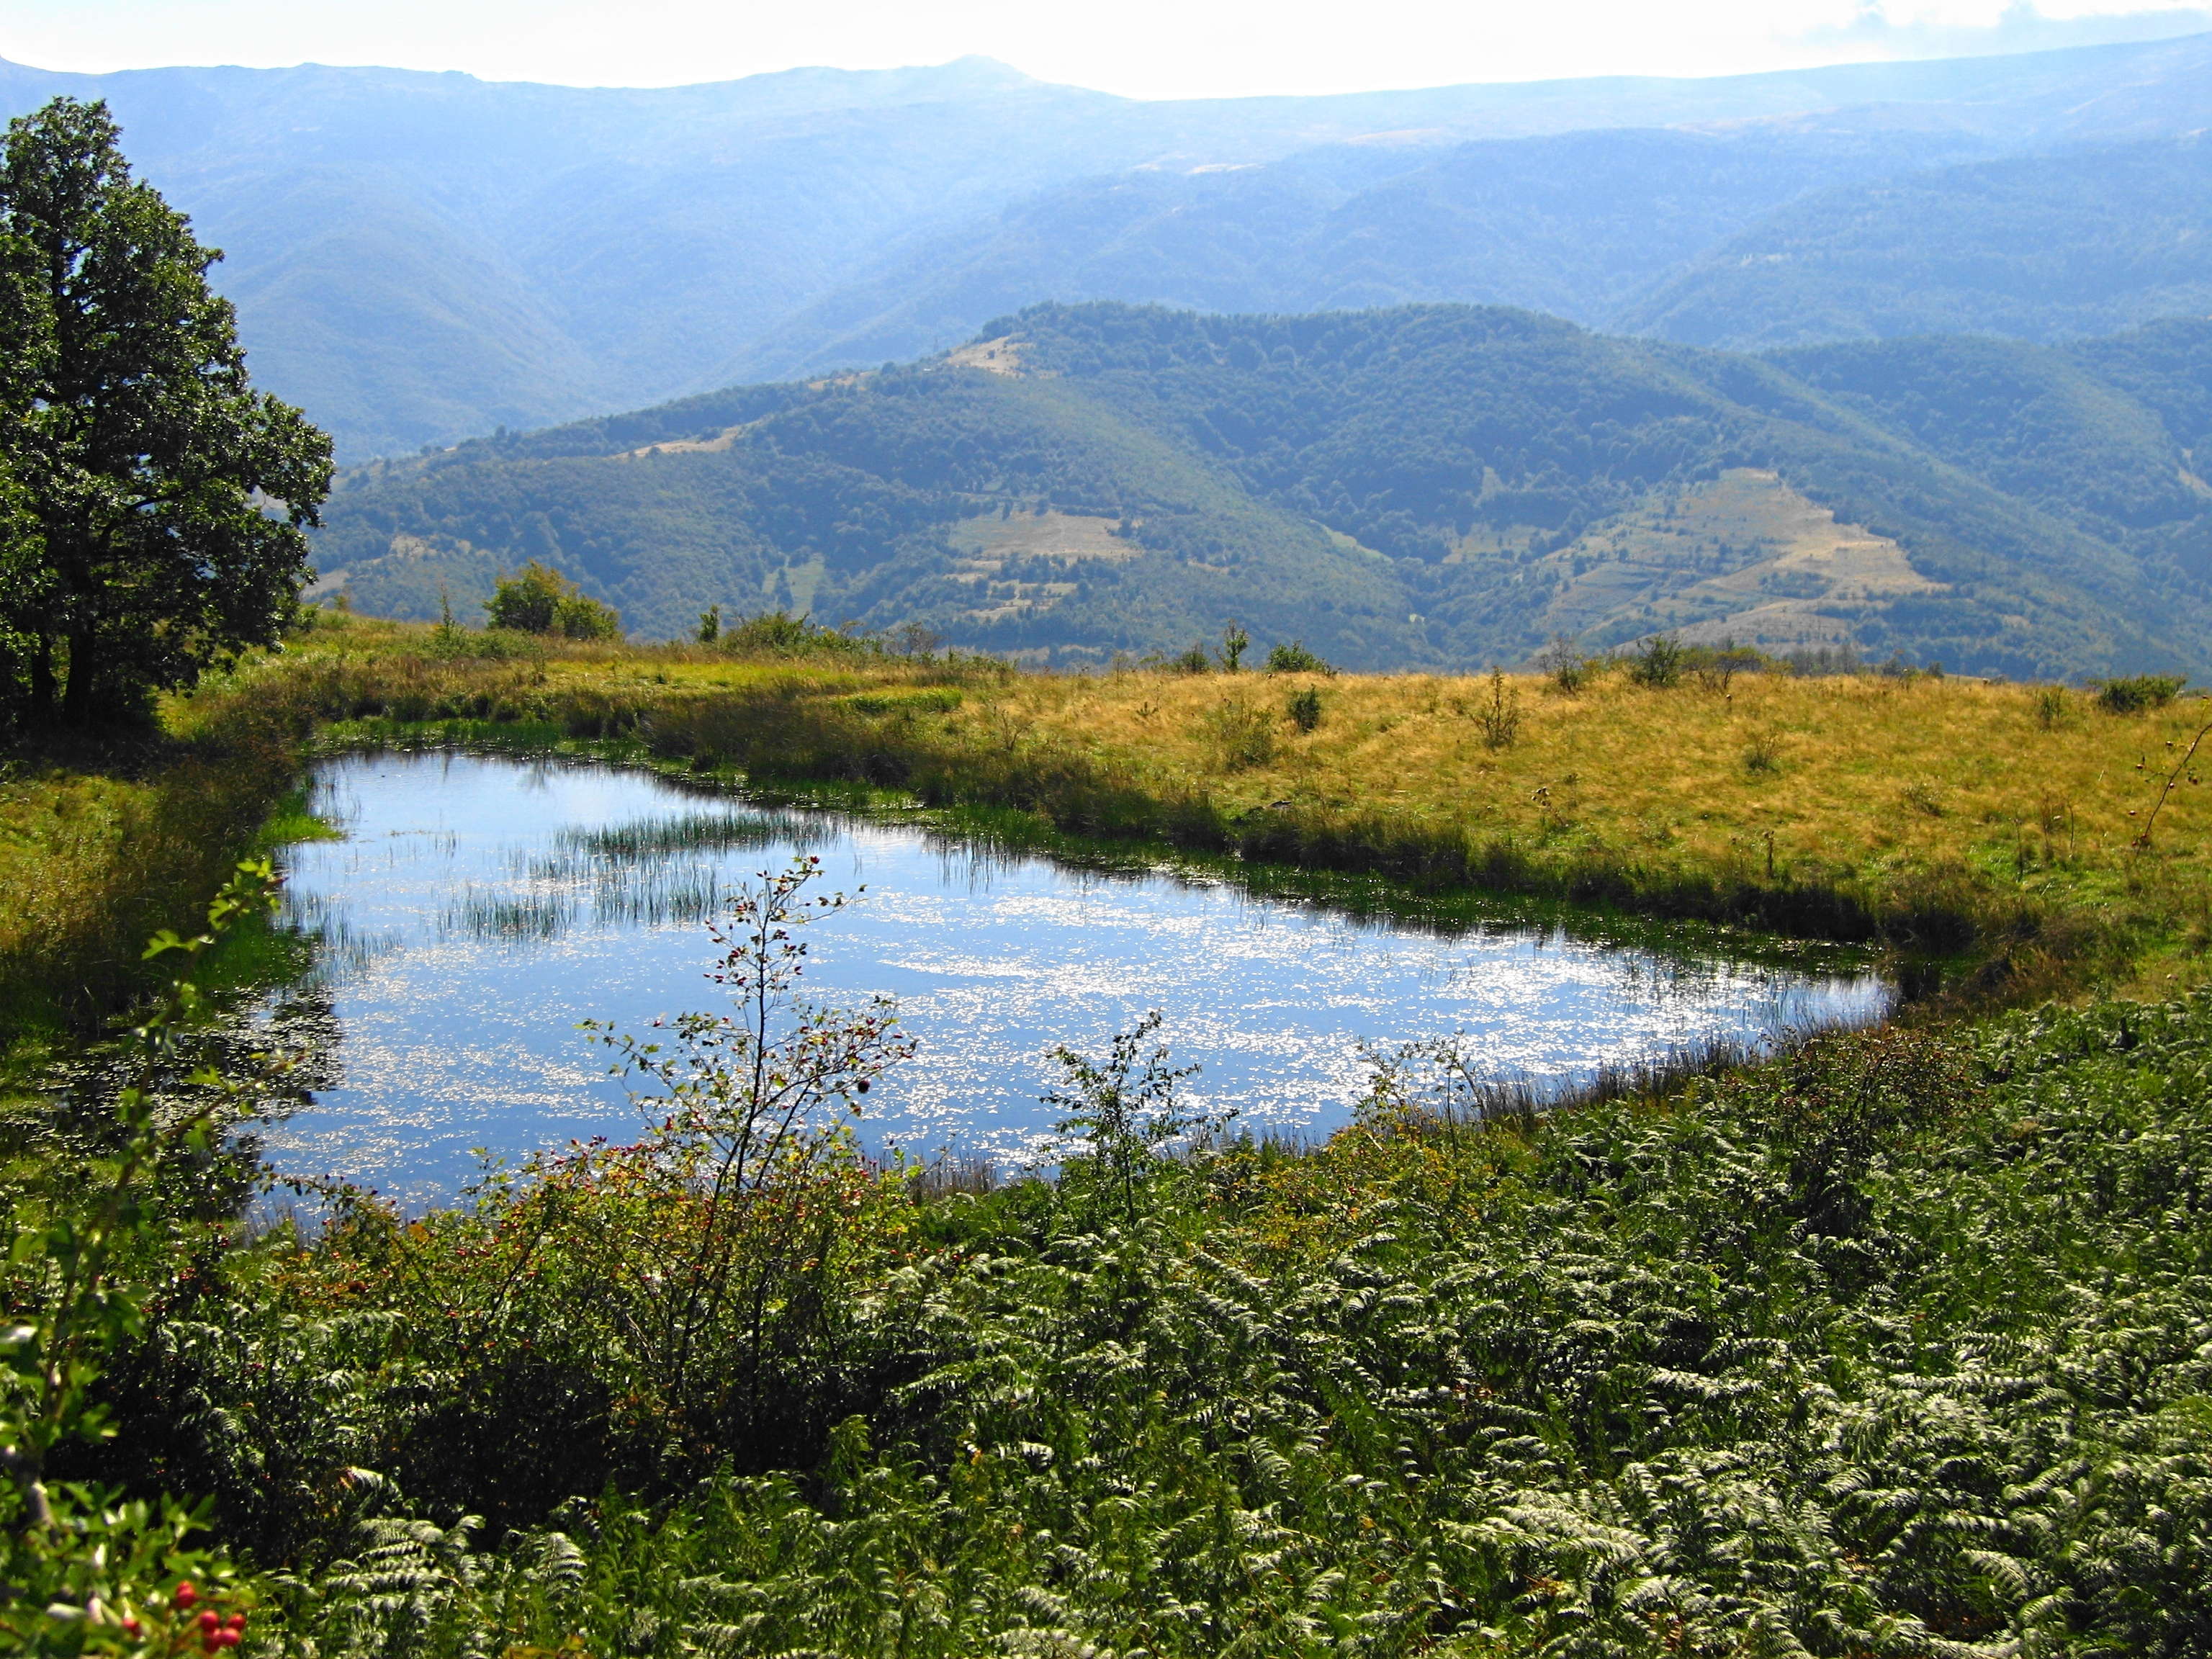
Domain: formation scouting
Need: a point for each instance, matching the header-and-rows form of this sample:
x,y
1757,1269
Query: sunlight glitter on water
x,y
479,909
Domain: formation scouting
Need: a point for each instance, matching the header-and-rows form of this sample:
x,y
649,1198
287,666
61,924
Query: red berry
x,y
185,1594
210,1619
228,1638
131,1627
236,1621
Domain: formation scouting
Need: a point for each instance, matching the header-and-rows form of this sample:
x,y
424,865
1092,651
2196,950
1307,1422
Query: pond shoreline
x,y
1019,831
481,906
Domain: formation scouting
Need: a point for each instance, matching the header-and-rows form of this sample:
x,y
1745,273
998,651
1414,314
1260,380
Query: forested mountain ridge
x,y
2038,247
1434,485
416,257
1580,225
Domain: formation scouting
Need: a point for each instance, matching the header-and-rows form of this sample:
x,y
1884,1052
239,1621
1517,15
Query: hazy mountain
x,y
1578,225
1428,485
2041,247
419,256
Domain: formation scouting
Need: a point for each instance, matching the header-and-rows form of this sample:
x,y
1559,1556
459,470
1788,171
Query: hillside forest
x,y
1426,487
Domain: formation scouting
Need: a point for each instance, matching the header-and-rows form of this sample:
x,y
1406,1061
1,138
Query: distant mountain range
x,y
418,259
1432,485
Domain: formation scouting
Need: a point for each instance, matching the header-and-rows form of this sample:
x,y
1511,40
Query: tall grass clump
x,y
1243,734
1762,755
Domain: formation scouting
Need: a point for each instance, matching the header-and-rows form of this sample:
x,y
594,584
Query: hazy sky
x,y
1142,48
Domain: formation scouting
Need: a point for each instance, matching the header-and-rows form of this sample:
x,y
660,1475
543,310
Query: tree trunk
x,y
77,692
42,677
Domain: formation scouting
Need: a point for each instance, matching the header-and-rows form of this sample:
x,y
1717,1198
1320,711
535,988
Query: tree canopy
x,y
152,507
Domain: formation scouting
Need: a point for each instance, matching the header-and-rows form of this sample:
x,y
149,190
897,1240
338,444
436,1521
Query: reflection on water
x,y
479,909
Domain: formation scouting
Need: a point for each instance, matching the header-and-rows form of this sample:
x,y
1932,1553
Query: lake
x,y
476,909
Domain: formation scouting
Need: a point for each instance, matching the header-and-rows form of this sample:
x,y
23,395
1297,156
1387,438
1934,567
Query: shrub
x,y
1762,755
539,599
2141,692
1898,668
1294,658
1569,668
779,634
1715,667
2049,703
732,1202
1305,708
577,617
1121,1114
913,639
1816,662
1500,718
1196,660
1659,664
1234,643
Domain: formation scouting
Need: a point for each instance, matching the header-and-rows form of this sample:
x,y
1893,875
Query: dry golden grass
x,y
1842,772
1852,781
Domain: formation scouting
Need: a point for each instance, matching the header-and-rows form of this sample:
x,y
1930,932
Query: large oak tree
x,y
152,507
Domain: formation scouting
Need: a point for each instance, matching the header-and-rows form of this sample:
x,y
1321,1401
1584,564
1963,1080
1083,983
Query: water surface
x,y
478,908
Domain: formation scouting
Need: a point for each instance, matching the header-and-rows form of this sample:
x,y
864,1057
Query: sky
x,y
1139,48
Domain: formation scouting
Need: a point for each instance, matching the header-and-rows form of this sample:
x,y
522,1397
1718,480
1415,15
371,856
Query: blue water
x,y
474,914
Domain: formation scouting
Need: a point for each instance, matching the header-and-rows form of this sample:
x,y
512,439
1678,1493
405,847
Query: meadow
x,y
1892,1344
2033,838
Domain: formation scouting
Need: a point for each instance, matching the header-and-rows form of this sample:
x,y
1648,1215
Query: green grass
x,y
1891,1345
103,843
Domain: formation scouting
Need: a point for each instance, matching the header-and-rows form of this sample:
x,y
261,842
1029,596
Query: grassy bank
x,y
2038,841
2027,829
104,841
